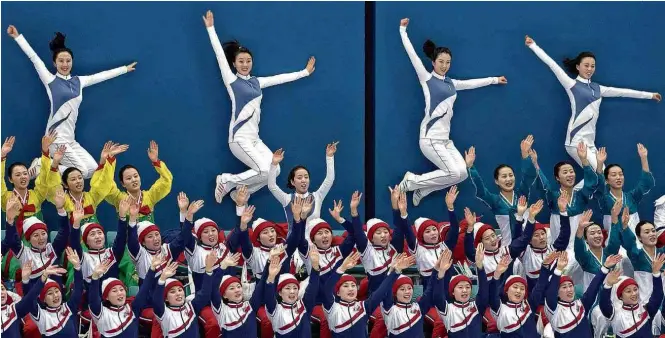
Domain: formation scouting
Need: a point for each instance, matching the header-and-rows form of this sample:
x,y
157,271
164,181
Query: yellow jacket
x,y
149,198
100,185
46,179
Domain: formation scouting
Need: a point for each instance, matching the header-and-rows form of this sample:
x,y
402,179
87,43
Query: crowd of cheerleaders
x,y
572,277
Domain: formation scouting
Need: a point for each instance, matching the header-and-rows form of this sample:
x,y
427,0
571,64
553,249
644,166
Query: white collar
x,y
64,77
583,80
436,75
244,77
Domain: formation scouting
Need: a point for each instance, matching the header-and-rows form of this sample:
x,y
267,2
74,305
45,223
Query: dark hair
x,y
589,226
231,49
638,227
557,167
57,45
571,64
12,166
432,51
121,173
501,166
292,175
65,175
606,172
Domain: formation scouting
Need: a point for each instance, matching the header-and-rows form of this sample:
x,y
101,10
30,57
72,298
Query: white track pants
x,y
444,155
257,156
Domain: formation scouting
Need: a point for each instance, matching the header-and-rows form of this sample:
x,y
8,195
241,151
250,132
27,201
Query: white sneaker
x,y
35,168
409,176
221,188
417,197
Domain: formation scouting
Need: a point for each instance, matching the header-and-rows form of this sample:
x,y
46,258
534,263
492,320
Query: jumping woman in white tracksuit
x,y
66,94
585,98
245,92
440,94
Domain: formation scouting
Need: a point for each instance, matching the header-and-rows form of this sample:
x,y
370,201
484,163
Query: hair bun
x,y
58,42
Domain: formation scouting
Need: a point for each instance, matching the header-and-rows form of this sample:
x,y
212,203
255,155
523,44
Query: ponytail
x,y
432,51
231,49
57,45
571,64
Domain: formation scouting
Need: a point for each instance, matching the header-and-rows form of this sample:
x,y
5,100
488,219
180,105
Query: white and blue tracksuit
x,y
571,319
13,313
65,93
347,320
585,98
319,195
463,320
180,321
632,321
291,320
435,143
406,319
246,95
119,321
516,320
63,321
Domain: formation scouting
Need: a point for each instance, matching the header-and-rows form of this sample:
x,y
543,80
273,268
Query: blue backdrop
x,y
487,39
177,98
176,95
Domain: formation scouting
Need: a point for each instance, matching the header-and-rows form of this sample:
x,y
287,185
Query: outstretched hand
x,y
12,31
208,19
310,66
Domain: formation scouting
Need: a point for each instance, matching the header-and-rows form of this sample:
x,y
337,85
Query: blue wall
x,y
488,40
176,96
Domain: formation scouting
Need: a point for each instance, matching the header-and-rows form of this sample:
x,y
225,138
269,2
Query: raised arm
x,y
605,301
158,292
257,297
469,248
475,83
646,182
656,297
282,197
529,172
94,79
186,221
62,237
133,244
518,245
227,74
381,292
44,75
202,297
482,297
185,237
552,289
309,298
12,239
142,299
347,245
120,241
538,293
75,232
624,92
423,74
560,74
77,293
269,81
561,242
269,290
330,170
94,290
162,187
481,190
591,294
